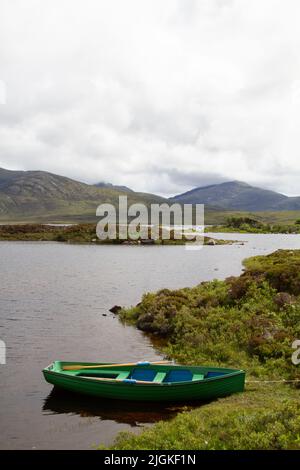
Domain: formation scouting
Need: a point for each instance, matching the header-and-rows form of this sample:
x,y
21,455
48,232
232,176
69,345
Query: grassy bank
x,y
246,322
265,417
254,225
83,233
276,218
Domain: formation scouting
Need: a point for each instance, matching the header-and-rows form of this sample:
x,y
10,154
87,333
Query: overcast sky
x,y
160,95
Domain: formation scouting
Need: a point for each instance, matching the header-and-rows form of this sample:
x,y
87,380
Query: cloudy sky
x,y
159,95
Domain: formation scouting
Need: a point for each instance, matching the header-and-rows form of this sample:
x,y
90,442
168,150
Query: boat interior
x,y
160,374
150,375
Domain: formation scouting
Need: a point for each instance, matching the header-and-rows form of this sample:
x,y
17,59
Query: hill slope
x,y
39,195
236,195
113,186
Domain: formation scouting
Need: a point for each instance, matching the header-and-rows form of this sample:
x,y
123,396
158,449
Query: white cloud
x,y
160,96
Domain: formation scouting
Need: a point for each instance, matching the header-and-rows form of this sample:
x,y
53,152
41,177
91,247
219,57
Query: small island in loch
x,y
86,233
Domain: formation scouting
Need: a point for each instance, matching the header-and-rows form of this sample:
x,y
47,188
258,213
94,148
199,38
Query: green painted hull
x,y
227,381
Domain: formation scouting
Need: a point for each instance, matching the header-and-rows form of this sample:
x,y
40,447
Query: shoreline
x,y
254,225
86,234
262,349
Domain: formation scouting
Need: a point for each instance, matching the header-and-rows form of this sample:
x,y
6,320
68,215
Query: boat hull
x,y
206,389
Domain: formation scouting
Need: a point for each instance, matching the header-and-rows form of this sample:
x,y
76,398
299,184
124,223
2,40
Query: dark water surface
x,y
52,301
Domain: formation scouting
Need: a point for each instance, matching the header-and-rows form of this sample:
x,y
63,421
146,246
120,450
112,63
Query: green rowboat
x,y
145,381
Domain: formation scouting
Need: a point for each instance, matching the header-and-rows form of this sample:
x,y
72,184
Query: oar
x,y
129,381
79,366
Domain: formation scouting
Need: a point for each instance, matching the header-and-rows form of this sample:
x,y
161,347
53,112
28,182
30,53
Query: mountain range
x,y
43,196
239,196
39,195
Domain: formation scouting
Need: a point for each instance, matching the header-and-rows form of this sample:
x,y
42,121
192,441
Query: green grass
x,y
248,321
245,322
263,417
275,222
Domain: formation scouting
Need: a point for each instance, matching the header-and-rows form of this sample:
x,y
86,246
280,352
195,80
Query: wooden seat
x,y
159,377
198,377
123,375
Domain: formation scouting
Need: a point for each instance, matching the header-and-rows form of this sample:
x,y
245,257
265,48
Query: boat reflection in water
x,y
119,411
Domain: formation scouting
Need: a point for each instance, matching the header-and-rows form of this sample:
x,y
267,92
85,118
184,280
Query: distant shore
x,y
86,234
253,225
